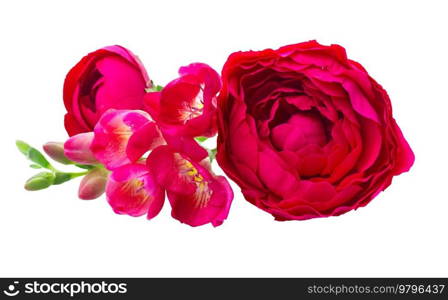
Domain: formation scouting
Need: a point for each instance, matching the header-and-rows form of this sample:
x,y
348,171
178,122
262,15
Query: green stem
x,y
77,174
61,177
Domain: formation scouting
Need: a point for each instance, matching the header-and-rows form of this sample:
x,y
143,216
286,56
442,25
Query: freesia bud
x,y
77,149
56,151
93,184
39,181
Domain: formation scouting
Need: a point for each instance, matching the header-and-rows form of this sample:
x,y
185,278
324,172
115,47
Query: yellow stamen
x,y
190,174
136,190
190,111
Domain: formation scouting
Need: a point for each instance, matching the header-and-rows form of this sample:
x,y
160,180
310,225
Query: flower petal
x,y
114,144
132,190
196,195
111,77
142,140
188,102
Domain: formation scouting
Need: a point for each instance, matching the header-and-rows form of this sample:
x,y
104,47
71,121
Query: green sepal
x,y
154,88
34,155
201,139
23,147
212,154
158,88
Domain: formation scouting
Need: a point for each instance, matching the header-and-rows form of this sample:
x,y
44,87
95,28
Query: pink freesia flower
x,y
77,149
197,196
188,103
186,108
111,77
123,136
131,190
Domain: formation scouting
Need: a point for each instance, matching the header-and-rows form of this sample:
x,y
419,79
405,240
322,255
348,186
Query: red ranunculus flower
x,y
306,132
111,77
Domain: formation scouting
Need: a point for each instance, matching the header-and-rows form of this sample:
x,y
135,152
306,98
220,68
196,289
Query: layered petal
x,y
111,77
306,132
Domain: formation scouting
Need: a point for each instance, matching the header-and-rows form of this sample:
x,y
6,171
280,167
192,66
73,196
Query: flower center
x,y
194,108
202,193
136,188
88,89
302,128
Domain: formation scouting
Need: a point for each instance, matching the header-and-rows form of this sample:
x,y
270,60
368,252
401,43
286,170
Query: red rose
x,y
306,132
111,77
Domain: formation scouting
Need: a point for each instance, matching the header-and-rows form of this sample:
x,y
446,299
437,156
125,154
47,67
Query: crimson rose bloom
x,y
111,77
306,132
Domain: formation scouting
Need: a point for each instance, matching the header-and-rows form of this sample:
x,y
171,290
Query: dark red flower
x,y
306,132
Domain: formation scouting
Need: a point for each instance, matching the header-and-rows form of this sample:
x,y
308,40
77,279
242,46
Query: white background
x,y
403,232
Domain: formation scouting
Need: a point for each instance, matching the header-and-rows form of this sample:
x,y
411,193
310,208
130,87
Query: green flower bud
x,y
39,181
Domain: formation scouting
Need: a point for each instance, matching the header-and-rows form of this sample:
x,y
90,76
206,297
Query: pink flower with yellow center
x,y
186,108
132,190
196,195
187,103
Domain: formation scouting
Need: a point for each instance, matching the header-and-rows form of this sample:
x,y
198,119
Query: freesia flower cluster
x,y
304,131
140,142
